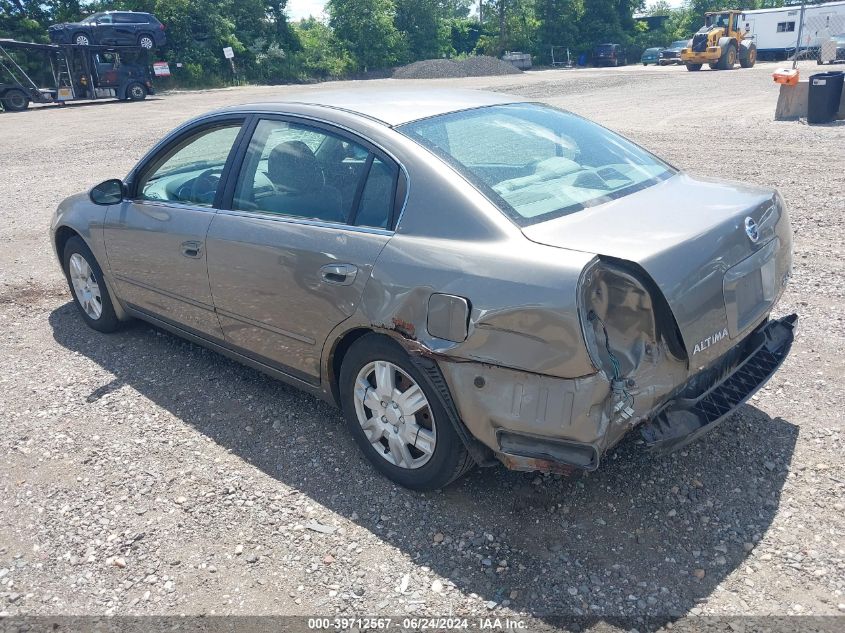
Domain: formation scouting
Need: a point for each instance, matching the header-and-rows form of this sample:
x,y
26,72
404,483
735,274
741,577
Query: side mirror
x,y
107,192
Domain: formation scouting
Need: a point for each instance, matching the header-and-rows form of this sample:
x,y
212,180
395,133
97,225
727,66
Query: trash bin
x,y
824,96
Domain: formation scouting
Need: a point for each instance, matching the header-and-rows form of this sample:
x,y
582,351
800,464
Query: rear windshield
x,y
536,162
604,48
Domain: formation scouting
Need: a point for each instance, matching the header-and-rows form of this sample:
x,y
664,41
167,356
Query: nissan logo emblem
x,y
751,230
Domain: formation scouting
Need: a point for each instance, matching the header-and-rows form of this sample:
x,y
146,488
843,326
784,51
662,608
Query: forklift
x,y
73,73
719,43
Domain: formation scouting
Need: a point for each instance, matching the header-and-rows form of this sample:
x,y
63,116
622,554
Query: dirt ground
x,y
140,474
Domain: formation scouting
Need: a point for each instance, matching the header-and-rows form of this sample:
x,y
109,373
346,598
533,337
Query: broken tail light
x,y
625,319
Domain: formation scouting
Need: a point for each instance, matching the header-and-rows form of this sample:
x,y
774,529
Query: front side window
x,y
536,162
190,172
306,172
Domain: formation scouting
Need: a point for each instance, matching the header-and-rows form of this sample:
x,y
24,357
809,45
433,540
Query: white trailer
x,y
776,30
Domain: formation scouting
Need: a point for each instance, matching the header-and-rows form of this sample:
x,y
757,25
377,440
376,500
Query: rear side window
x,y
377,199
309,172
128,18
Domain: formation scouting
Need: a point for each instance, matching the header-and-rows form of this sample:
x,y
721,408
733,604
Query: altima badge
x,y
751,230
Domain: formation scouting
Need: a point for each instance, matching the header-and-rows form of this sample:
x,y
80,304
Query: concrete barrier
x,y
792,102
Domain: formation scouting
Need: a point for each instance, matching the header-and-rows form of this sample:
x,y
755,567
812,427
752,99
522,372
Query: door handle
x,y
339,274
192,249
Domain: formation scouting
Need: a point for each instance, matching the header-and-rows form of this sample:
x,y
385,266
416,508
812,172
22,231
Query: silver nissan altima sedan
x,y
470,277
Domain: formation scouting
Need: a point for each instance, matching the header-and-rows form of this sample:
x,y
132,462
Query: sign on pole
x,y
161,69
228,53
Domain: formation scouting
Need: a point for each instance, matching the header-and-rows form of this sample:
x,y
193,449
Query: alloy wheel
x,y
146,42
82,40
85,286
395,415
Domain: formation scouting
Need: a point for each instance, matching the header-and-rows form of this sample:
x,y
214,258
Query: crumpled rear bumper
x,y
708,400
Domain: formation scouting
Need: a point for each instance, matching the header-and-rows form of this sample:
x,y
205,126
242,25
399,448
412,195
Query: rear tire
x,y
88,286
15,100
694,67
372,362
136,92
728,58
146,42
749,58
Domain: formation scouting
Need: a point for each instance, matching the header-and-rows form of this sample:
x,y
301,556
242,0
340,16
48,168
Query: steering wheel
x,y
204,187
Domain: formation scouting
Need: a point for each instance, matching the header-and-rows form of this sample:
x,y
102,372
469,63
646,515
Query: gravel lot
x,y
141,474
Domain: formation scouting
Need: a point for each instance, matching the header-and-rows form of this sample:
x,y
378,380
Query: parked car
x,y
672,53
651,56
839,53
115,28
609,55
467,275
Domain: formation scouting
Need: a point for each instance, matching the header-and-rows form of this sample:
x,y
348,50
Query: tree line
x,y
368,36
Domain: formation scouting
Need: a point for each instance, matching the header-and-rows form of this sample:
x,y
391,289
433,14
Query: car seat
x,y
300,184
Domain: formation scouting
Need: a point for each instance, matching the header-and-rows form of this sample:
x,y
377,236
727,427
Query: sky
x,y
298,9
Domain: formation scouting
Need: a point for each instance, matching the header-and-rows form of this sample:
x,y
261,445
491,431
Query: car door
x,y
311,210
124,29
103,30
155,240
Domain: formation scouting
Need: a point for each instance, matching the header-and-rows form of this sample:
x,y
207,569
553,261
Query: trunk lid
x,y
690,236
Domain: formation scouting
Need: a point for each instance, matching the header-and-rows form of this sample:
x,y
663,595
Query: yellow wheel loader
x,y
720,43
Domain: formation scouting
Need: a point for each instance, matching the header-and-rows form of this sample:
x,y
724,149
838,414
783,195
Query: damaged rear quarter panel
x,y
522,297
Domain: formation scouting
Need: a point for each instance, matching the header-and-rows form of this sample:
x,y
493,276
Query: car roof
x,y
394,105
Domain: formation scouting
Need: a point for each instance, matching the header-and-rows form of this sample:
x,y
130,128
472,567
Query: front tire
x,y
88,287
80,39
728,58
397,419
694,67
136,92
749,58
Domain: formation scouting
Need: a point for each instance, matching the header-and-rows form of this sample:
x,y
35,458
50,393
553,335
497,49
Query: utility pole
x,y
481,11
800,30
502,23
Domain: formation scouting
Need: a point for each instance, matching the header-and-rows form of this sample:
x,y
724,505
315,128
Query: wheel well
x,y
339,352
63,234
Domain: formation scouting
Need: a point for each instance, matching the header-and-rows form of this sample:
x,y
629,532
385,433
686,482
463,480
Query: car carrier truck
x,y
60,73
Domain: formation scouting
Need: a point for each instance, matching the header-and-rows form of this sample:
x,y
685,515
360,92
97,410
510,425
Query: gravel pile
x,y
488,66
141,474
482,66
431,69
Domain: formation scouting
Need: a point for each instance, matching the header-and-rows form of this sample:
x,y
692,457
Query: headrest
x,y
293,167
